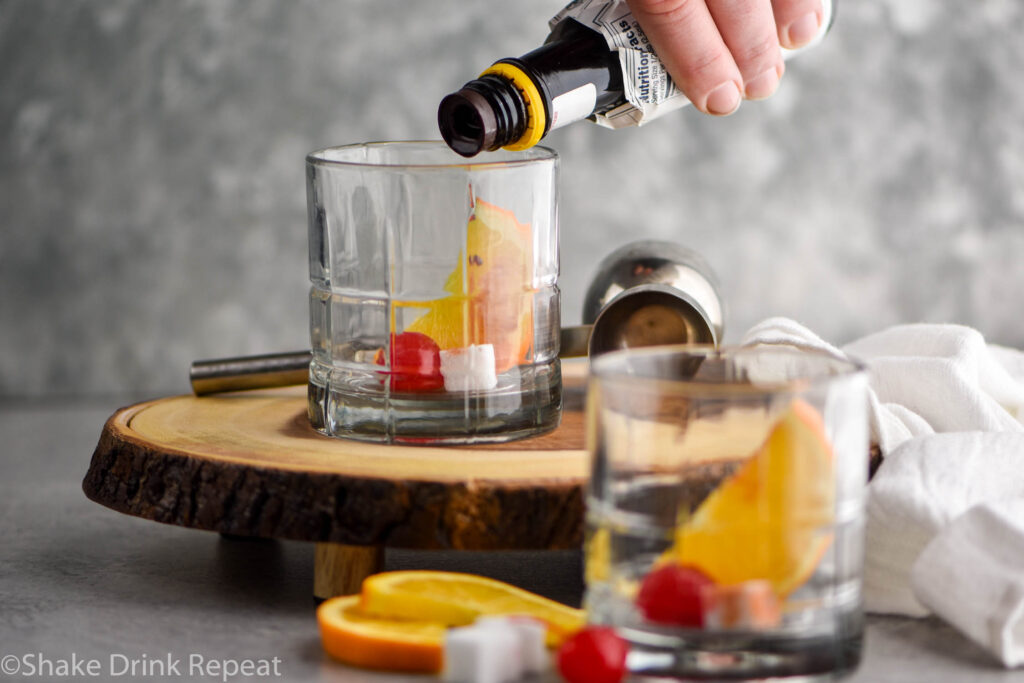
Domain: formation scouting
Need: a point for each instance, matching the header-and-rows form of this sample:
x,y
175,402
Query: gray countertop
x,y
80,581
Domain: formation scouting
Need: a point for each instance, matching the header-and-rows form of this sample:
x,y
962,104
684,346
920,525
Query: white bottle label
x,y
573,105
648,88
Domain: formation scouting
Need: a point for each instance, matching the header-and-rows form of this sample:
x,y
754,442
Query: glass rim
x,y
609,367
535,154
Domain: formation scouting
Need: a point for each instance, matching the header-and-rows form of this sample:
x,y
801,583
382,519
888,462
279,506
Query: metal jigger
x,y
645,293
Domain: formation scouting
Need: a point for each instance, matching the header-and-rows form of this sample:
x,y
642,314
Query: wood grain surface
x,y
250,464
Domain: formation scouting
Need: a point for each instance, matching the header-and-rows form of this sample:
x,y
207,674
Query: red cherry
x,y
594,655
415,363
672,595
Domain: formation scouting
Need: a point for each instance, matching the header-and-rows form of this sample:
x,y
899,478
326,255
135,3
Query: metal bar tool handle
x,y
249,372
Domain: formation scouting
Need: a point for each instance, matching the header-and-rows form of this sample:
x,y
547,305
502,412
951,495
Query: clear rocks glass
x,y
725,511
434,305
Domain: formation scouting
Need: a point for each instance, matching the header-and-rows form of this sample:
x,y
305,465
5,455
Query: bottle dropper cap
x,y
491,112
467,122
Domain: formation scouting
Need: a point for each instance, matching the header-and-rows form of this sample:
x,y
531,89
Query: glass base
x,y
751,656
352,404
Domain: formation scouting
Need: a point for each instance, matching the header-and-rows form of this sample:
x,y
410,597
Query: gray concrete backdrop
x,y
152,190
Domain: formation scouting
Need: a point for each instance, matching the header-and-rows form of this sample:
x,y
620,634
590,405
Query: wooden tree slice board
x,y
249,464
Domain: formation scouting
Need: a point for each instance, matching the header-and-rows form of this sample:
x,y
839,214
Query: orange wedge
x,y
772,519
489,300
352,637
457,599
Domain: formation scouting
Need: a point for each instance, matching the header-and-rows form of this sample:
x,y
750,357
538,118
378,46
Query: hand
x,y
719,51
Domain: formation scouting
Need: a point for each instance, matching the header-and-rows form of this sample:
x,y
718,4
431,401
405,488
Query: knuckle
x,y
710,62
762,52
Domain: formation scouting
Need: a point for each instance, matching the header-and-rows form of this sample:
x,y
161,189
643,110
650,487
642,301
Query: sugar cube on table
x,y
470,368
482,654
532,650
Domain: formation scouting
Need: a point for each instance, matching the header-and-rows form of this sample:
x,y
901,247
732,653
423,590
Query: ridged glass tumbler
x,y
725,513
434,305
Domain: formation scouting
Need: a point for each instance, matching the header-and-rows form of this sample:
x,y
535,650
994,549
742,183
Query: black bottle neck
x,y
486,114
574,56
495,111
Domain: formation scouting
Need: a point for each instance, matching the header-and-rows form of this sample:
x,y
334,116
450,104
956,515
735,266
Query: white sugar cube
x,y
532,650
482,654
469,369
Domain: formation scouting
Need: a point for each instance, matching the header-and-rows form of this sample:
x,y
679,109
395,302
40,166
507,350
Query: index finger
x,y
687,41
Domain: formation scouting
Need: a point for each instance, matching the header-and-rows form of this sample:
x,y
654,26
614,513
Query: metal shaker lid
x,y
652,292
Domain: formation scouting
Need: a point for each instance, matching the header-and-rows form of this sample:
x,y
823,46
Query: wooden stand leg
x,y
340,569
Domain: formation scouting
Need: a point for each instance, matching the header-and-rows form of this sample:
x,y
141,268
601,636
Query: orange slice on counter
x,y
381,643
772,519
489,300
456,599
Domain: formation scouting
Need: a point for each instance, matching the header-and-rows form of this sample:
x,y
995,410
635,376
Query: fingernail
x,y
762,85
802,30
725,99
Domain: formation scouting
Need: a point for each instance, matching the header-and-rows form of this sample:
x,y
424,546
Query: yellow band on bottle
x,y
535,117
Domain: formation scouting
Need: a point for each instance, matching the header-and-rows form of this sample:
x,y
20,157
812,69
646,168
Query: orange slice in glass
x,y
772,519
488,300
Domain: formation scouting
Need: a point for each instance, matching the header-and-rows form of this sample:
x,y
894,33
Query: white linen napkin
x,y
922,487
924,378
946,408
978,560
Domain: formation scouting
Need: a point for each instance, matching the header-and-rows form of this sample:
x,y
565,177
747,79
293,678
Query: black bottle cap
x,y
486,114
467,122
